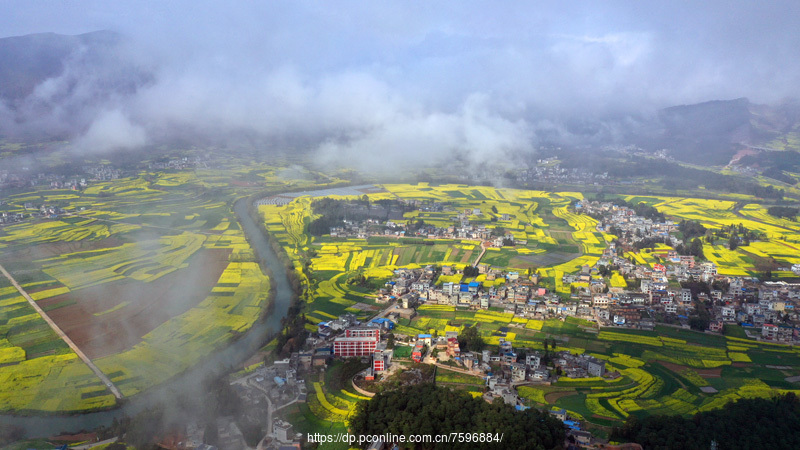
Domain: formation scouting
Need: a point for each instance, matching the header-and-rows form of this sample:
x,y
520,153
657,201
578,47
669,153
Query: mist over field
x,y
390,84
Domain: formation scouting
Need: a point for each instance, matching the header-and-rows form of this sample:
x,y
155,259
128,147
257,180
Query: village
x,y
655,295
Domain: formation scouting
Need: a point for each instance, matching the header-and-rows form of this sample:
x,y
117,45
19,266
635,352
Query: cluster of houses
x,y
182,163
397,226
366,340
631,227
550,171
746,301
346,337
411,287
25,178
10,217
37,211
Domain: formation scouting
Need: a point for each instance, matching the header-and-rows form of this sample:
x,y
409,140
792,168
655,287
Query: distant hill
x,y
49,81
706,132
26,61
53,86
713,132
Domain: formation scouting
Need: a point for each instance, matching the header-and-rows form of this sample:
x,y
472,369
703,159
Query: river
x,y
191,380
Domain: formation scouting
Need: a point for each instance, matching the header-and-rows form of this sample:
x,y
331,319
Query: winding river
x,y
190,380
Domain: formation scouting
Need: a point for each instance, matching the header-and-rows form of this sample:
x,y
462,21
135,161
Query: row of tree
x,y
746,424
783,211
426,409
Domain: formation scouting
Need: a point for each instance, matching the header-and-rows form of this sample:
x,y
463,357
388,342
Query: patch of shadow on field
x,y
548,258
705,373
113,317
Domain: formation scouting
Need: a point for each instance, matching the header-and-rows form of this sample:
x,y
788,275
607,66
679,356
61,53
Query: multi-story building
x,y
363,332
416,355
347,347
381,360
357,342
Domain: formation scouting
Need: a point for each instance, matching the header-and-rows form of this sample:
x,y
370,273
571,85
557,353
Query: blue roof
x,y
682,317
474,284
424,336
464,288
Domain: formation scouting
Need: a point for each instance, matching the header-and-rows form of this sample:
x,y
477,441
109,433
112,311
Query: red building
x,y
357,342
354,346
416,355
363,332
453,349
377,362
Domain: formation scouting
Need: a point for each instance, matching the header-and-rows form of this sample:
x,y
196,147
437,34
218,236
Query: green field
x,y
661,372
127,235
556,240
780,237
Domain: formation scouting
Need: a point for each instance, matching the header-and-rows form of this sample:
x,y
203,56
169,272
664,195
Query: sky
x,y
419,78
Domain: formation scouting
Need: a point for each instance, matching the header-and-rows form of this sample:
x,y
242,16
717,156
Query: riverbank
x,y
189,382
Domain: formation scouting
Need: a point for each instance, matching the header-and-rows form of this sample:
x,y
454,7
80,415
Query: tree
x,y
470,271
747,423
390,341
428,409
733,242
471,340
498,231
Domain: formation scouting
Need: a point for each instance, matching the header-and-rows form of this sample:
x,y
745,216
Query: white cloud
x,y
112,130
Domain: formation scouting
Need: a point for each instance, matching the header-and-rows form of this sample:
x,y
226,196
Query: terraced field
x,y
144,274
668,371
552,237
781,237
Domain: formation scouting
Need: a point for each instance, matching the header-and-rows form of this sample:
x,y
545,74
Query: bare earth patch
x,y
113,317
705,373
365,307
553,397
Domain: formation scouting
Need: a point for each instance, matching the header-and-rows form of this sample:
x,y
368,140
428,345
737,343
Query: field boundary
x,y
106,381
